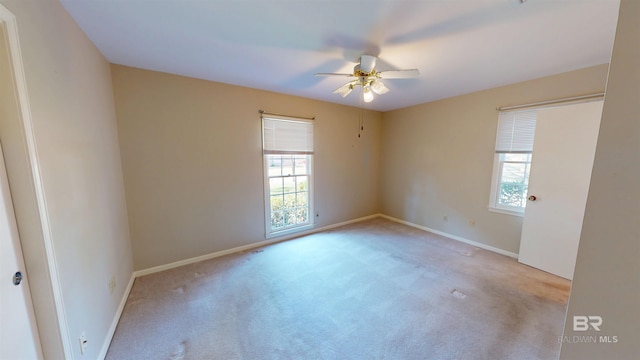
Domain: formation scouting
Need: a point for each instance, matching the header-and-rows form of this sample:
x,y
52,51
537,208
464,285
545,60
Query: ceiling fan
x,y
366,76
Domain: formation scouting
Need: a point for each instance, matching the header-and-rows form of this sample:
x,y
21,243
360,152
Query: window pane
x,y
287,165
301,215
301,165
516,157
289,217
302,199
274,165
289,184
277,219
513,172
512,194
290,200
276,203
302,183
275,186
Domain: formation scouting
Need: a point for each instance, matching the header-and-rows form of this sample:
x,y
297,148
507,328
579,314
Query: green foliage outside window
x,y
289,210
513,194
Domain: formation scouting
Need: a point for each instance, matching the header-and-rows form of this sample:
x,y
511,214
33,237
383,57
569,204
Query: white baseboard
x,y
453,237
216,254
116,318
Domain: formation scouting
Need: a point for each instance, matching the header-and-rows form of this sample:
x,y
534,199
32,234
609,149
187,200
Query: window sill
x,y
505,211
289,231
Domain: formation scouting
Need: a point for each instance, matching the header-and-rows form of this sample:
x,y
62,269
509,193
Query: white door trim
x,y
11,26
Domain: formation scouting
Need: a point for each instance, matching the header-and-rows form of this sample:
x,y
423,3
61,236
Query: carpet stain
x,y
458,294
180,352
471,252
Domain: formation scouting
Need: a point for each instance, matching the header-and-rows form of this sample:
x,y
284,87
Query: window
x,y
513,181
288,160
512,163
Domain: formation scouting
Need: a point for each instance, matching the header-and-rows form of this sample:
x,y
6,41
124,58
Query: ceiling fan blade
x,y
333,74
345,89
378,87
399,74
367,63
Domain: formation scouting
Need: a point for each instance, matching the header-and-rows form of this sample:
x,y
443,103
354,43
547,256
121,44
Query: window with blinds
x,y
512,163
515,131
288,159
284,136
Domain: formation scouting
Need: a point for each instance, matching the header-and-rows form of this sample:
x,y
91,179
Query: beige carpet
x,y
371,290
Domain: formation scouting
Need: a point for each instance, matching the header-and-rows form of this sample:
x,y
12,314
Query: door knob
x,y
17,278
532,198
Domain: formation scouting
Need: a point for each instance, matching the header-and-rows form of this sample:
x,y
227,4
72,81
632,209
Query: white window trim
x,y
269,234
505,212
493,199
305,150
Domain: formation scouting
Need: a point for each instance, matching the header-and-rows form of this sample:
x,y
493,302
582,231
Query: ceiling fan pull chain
x,y
360,119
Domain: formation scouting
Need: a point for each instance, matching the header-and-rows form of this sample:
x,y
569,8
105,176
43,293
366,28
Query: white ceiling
x,y
459,46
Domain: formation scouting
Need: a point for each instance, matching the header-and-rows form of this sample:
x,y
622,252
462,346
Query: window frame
x,y
301,148
498,165
276,232
515,135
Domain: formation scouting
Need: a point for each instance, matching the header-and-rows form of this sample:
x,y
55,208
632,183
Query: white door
x,y
18,334
563,152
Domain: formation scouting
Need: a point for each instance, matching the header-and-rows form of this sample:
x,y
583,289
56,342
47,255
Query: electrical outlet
x,y
112,284
83,343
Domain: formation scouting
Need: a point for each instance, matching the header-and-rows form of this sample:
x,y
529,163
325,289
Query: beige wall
x,y
437,158
192,160
71,101
606,279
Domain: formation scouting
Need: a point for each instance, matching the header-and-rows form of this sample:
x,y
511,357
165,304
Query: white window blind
x,y
287,136
515,131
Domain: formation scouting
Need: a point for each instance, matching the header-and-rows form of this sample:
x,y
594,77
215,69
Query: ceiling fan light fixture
x,y
378,87
345,89
367,94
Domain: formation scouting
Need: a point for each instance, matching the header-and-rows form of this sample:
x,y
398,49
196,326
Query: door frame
x,y
47,297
